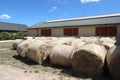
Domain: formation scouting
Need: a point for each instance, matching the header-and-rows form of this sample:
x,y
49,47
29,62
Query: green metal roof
x,y
82,21
12,26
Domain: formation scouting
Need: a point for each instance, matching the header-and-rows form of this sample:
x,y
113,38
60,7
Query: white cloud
x,y
5,16
86,1
53,9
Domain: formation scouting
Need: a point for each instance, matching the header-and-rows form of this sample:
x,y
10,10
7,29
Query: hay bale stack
x,y
67,40
22,48
77,43
45,51
16,43
107,42
113,61
89,59
90,39
61,55
38,51
108,45
58,41
28,38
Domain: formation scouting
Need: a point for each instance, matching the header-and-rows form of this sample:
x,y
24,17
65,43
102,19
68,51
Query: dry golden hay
x,y
89,59
16,43
113,61
90,39
54,42
22,48
61,55
28,38
77,43
108,45
38,51
107,40
67,40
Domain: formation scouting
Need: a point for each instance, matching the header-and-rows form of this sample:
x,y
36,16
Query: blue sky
x,y
30,12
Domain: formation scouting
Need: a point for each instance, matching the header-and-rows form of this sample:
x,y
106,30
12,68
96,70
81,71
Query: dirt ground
x,y
13,67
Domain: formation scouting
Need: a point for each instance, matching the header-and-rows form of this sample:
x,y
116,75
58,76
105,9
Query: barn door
x,y
106,31
70,31
75,31
45,32
112,31
101,31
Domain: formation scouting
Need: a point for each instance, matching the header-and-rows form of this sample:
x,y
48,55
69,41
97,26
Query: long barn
x,y
101,25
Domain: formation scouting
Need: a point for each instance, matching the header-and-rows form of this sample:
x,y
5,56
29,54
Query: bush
x,y
20,35
4,36
7,35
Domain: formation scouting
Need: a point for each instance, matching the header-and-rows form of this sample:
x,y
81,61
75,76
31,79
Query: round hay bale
x,y
16,43
113,61
89,59
39,51
58,42
77,43
22,48
67,40
90,39
107,40
61,55
108,45
28,38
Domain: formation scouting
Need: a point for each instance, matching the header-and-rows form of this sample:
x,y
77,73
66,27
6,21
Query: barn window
x,y
45,32
70,31
106,31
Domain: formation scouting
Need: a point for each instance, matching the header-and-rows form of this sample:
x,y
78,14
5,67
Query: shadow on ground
x,y
67,71
24,60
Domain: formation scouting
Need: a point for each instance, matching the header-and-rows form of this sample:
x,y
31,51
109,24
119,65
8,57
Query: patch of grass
x,y
5,45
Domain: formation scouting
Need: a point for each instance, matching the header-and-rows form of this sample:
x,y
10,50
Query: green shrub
x,y
4,36
7,35
20,35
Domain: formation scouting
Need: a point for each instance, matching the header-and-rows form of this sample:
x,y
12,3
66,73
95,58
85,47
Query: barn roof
x,y
81,21
12,27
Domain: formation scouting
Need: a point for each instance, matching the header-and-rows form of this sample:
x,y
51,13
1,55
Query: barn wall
x,y
39,34
32,32
118,30
86,31
82,31
57,32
